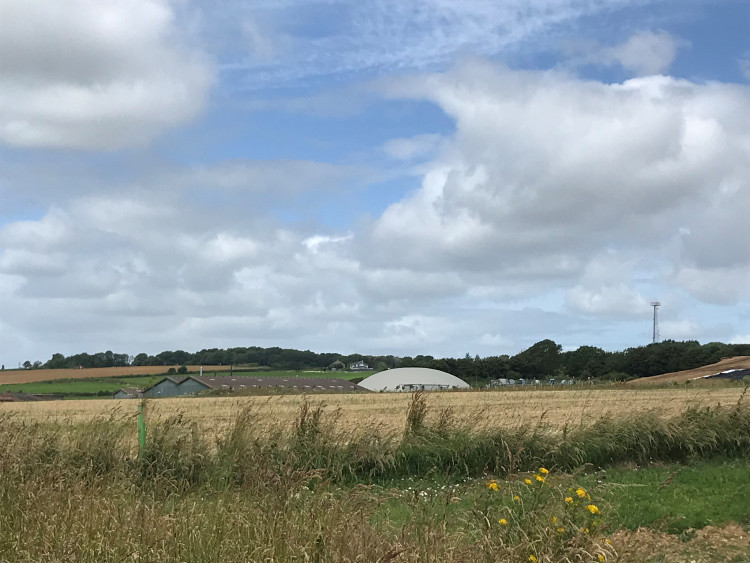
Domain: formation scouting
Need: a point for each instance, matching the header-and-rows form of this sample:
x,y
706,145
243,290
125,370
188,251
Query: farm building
x,y
176,387
413,379
167,387
128,393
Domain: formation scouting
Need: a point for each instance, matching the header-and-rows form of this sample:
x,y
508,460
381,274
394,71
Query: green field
x,y
104,387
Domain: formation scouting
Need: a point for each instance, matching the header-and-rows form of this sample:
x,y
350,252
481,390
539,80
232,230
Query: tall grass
x,y
306,492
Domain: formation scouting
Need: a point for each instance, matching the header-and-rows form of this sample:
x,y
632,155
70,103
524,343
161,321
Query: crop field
x,y
528,475
386,412
34,375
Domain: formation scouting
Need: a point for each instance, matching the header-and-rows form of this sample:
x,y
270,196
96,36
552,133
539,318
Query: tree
x,y
27,364
540,360
57,361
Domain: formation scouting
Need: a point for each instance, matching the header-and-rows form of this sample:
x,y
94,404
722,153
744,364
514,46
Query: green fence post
x,y
141,431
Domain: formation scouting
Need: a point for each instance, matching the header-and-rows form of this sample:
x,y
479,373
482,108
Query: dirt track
x,y
34,375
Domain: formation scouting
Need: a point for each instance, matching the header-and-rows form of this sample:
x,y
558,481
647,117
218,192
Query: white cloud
x,y
687,329
546,172
91,75
644,53
335,38
553,191
619,300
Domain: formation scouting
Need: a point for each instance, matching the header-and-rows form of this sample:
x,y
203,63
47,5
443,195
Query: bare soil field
x,y
737,362
386,412
34,375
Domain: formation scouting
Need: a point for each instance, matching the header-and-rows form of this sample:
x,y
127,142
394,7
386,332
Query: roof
x,y
407,379
302,383
130,390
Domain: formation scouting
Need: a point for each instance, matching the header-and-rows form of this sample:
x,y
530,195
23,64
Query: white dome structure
x,y
412,379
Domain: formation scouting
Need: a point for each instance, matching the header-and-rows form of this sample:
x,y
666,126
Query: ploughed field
x,y
386,412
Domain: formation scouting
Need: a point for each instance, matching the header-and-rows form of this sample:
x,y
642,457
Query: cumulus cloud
x,y
554,209
91,75
547,171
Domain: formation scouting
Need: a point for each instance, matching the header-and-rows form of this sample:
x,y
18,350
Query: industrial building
x,y
182,386
413,379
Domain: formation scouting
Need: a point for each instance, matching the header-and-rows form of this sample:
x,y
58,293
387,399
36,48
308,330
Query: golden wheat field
x,y
386,412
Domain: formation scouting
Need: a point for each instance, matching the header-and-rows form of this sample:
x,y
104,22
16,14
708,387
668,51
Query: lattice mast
x,y
655,305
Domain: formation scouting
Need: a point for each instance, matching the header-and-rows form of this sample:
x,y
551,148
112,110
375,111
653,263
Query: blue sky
x,y
427,177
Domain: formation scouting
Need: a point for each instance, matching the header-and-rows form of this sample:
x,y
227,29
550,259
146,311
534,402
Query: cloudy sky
x,y
422,177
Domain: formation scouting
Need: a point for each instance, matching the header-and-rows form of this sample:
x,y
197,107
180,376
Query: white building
x,y
413,379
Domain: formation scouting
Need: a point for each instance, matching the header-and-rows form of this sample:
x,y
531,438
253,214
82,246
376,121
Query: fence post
x,y
141,431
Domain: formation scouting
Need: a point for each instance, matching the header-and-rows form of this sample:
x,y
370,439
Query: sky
x,y
376,177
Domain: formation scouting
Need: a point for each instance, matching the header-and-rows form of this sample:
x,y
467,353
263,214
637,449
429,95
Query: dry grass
x,y
386,412
737,362
34,375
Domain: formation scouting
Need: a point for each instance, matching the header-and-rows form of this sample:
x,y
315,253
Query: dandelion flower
x,y
560,530
592,509
553,519
533,558
543,471
516,498
502,522
492,486
580,493
539,478
600,558
569,499
527,481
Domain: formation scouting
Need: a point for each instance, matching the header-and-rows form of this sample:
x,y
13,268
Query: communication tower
x,y
655,305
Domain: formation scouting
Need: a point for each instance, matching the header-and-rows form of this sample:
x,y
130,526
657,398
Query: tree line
x,y
543,360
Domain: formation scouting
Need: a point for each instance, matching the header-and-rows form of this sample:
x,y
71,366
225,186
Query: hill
x,y
34,375
737,362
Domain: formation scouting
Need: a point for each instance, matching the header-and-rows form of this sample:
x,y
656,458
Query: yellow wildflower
x,y
553,520
560,530
516,498
533,558
502,522
539,478
606,540
543,471
527,481
600,558
580,492
492,486
592,509
568,499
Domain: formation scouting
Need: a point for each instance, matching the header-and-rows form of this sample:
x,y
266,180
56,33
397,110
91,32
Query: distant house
x,y
128,393
359,366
